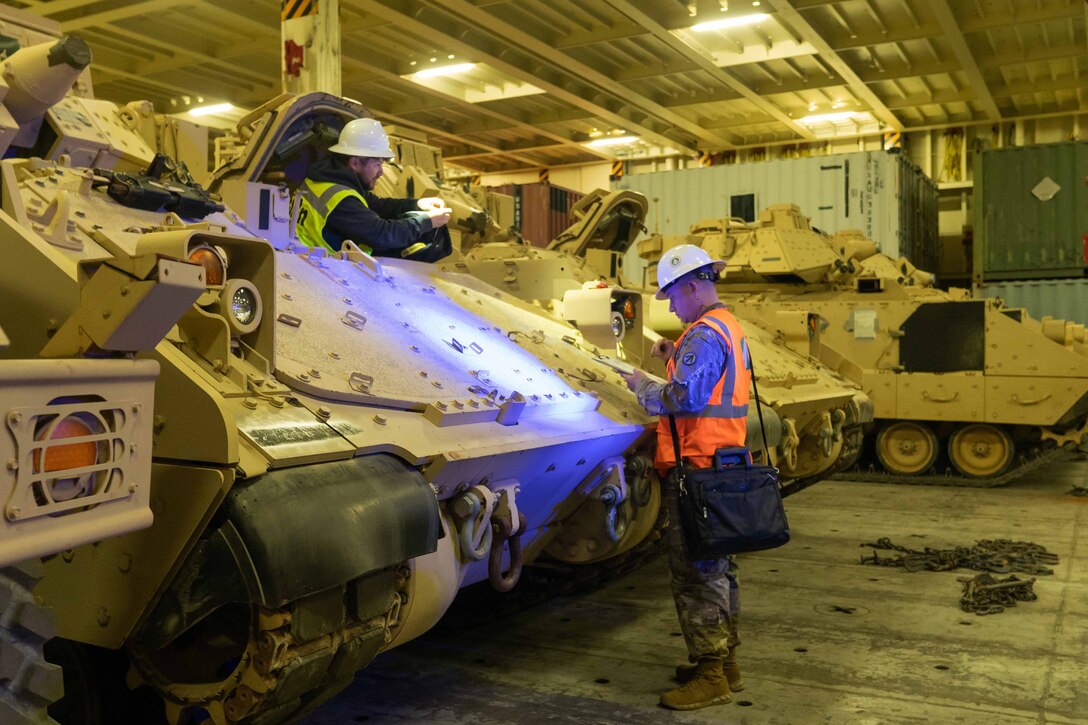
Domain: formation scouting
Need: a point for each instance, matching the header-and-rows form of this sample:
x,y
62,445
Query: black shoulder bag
x,y
730,508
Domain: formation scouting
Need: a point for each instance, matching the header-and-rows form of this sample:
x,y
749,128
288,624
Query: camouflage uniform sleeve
x,y
700,360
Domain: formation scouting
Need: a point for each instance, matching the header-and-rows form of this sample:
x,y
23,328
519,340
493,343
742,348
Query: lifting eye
x,y
215,269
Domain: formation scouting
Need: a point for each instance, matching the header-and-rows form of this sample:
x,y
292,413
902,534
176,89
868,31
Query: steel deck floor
x,y
905,653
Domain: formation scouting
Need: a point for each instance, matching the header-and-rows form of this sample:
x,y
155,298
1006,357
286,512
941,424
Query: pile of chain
x,y
986,594
1000,556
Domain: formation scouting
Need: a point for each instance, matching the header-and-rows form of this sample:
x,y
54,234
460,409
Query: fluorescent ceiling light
x,y
211,110
612,141
828,117
730,22
446,70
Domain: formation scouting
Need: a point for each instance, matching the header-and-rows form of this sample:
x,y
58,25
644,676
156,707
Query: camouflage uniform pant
x,y
706,591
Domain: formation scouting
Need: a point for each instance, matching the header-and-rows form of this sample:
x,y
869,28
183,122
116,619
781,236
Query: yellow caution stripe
x,y
293,9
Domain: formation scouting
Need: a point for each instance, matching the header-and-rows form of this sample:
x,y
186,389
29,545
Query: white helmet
x,y
363,137
680,260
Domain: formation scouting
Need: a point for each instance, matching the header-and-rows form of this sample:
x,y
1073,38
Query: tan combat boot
x,y
729,667
706,686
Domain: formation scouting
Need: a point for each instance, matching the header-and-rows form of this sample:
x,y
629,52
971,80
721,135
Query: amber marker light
x,y
65,457
629,309
212,264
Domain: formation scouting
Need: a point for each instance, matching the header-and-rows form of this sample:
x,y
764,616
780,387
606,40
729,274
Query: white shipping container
x,y
884,195
1065,299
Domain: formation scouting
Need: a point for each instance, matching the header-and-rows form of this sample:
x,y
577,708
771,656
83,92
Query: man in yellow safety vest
x,y
337,202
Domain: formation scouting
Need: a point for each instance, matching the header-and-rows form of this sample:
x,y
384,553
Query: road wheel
x,y
980,450
906,448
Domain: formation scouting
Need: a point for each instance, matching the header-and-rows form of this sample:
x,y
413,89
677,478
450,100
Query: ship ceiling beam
x,y
468,41
694,55
568,64
149,7
246,78
401,114
954,36
1026,13
793,19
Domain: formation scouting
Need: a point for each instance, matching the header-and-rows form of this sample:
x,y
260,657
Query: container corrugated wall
x,y
1024,225
884,195
541,211
1063,298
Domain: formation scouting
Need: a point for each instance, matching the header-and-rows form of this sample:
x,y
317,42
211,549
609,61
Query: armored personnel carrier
x,y
77,453
580,277
965,390
77,408
339,444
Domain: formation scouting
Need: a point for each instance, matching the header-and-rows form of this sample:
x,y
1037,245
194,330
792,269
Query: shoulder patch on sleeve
x,y
689,358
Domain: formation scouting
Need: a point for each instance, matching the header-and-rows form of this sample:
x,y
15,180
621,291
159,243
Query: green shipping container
x,y
1031,212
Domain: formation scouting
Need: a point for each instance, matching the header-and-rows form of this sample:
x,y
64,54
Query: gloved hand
x,y
440,216
431,202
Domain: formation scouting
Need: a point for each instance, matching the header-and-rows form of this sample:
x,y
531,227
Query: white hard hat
x,y
363,137
680,260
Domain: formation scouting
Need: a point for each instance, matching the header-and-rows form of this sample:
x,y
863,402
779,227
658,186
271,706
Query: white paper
x,y
864,324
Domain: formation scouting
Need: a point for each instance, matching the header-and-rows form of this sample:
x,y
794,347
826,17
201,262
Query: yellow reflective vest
x,y
317,201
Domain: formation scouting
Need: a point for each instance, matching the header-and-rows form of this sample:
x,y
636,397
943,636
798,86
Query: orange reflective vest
x,y
724,421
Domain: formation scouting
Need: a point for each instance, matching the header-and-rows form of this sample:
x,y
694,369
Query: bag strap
x,y
676,450
759,412
759,408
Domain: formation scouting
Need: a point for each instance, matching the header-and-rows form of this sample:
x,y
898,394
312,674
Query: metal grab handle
x,y
1016,399
931,399
505,582
468,509
790,443
831,430
610,497
362,260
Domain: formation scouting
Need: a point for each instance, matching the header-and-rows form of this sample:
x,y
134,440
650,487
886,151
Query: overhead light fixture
x,y
446,70
828,117
734,22
211,110
612,141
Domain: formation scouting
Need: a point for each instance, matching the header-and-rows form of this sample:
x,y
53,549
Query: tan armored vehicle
x,y
339,443
959,382
77,409
580,277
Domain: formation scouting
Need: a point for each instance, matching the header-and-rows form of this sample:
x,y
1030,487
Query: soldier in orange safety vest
x,y
707,391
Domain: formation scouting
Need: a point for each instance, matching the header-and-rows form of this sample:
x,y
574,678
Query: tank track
x,y
295,677
1028,461
28,683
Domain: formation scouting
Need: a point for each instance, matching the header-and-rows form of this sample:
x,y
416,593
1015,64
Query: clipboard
x,y
620,366
626,368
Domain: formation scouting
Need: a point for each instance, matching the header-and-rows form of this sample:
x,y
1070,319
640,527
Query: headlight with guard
x,y
240,303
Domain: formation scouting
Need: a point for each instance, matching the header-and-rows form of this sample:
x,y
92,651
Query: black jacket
x,y
387,225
